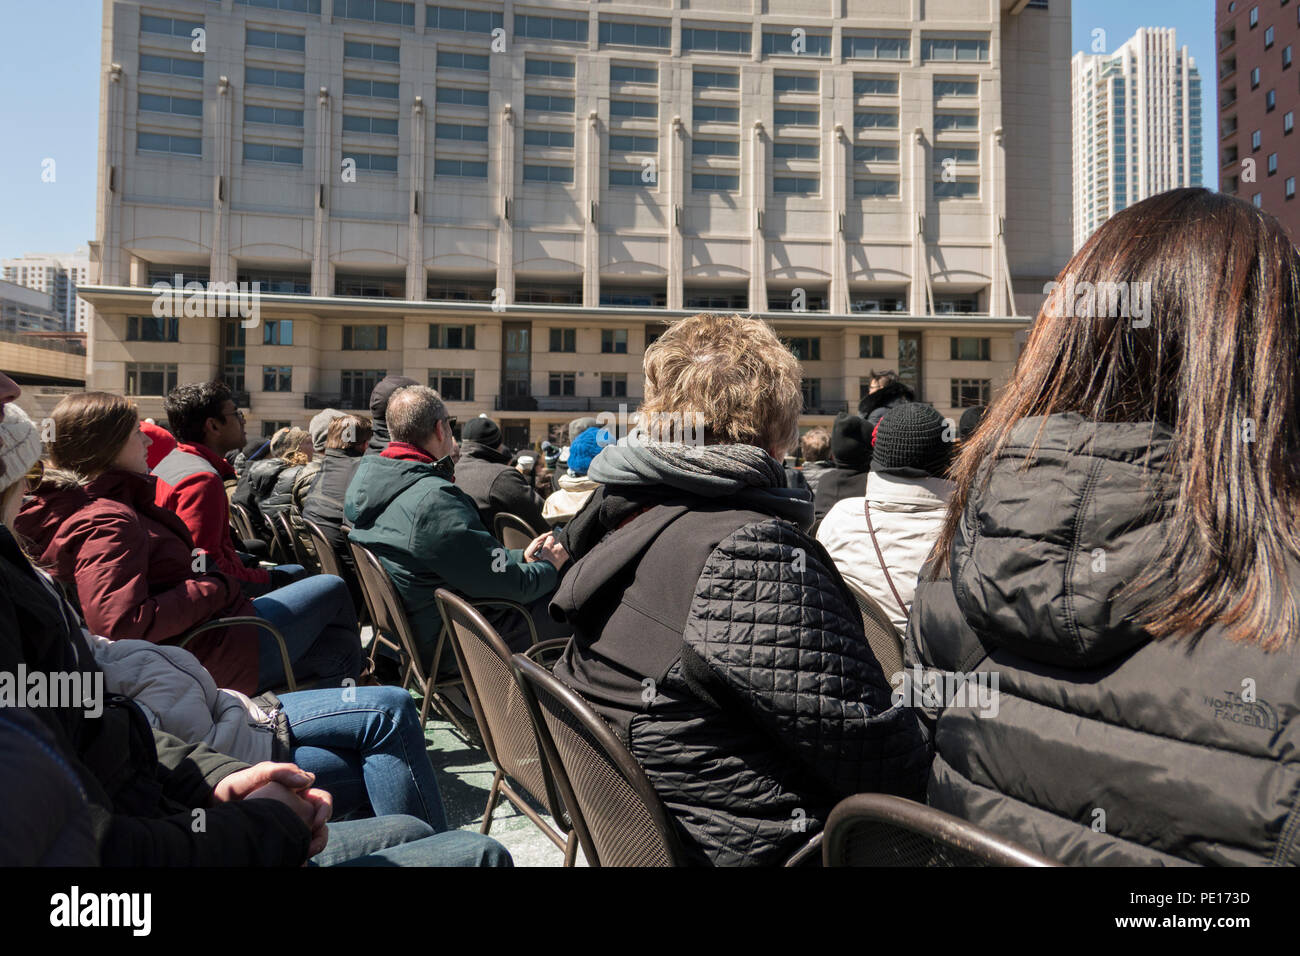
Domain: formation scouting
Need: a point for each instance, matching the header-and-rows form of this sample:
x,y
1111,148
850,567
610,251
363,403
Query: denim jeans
x,y
369,749
319,625
406,841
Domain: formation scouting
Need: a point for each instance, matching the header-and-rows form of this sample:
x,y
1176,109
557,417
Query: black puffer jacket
x,y
255,486
281,496
720,642
1105,747
140,785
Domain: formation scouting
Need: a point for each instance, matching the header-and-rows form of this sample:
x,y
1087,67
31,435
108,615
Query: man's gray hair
x,y
413,412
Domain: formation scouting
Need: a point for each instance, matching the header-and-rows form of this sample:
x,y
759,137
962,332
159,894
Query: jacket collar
x,y
482,452
211,457
401,451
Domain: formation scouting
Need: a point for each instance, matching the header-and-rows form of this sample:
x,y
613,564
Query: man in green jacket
x,y
405,507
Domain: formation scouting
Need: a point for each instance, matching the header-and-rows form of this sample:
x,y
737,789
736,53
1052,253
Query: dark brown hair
x,y
1221,353
90,429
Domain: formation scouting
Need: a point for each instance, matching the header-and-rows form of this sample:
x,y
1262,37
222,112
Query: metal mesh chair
x,y
513,531
290,544
388,615
883,638
875,829
242,521
619,818
69,592
504,720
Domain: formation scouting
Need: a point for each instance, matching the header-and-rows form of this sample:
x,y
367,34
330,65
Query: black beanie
x,y
384,391
850,442
970,420
482,430
910,441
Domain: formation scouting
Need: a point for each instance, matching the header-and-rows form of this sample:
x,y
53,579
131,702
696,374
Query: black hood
x,y
896,393
480,452
1043,552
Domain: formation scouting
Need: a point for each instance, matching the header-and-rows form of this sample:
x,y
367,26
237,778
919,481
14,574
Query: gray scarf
x,y
743,472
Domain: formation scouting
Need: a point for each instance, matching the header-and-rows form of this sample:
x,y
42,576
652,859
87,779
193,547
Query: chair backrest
x,y
387,612
283,525
513,531
242,521
883,638
619,818
875,829
496,694
329,561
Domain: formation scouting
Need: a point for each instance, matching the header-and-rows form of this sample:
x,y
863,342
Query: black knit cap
x,y
851,441
970,420
910,441
483,430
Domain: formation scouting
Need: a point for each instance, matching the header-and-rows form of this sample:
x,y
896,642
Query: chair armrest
x,y
528,618
809,850
258,622
539,652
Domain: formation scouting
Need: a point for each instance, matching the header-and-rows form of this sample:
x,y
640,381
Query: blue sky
x,y
1194,21
49,103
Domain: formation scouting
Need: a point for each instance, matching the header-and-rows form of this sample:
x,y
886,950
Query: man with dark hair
x,y
191,479
404,505
886,392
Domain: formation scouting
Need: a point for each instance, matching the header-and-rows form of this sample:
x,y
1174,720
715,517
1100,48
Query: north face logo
x,y
1256,713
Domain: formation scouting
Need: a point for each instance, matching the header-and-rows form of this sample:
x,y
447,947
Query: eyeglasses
x,y
451,424
35,476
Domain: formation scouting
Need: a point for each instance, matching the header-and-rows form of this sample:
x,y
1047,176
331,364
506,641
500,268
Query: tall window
x,y
277,378
451,336
805,349
613,385
968,392
453,384
278,332
613,341
871,346
564,340
357,384
150,378
561,384
963,349
148,328
365,338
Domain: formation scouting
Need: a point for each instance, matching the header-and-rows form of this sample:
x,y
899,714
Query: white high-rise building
x,y
1137,126
509,202
58,275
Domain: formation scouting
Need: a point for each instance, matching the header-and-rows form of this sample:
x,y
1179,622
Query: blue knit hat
x,y
586,447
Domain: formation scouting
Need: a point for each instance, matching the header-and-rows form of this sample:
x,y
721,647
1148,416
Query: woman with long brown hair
x,y
135,569
1120,564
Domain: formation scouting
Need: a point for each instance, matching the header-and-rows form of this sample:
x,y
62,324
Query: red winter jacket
x,y
132,564
191,482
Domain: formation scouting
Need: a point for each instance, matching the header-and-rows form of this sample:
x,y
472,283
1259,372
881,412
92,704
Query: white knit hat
x,y
20,445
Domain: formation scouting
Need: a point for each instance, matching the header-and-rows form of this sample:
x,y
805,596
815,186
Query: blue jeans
x,y
367,750
406,841
319,625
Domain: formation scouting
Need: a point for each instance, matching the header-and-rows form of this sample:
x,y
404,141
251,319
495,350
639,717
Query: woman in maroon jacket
x,y
93,523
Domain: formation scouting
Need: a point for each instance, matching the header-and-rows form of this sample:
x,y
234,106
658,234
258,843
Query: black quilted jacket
x,y
1104,747
726,650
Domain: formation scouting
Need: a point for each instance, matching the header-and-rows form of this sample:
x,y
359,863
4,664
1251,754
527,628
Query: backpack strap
x,y
881,558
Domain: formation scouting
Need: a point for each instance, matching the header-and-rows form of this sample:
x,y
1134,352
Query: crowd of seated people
x,y
1113,544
